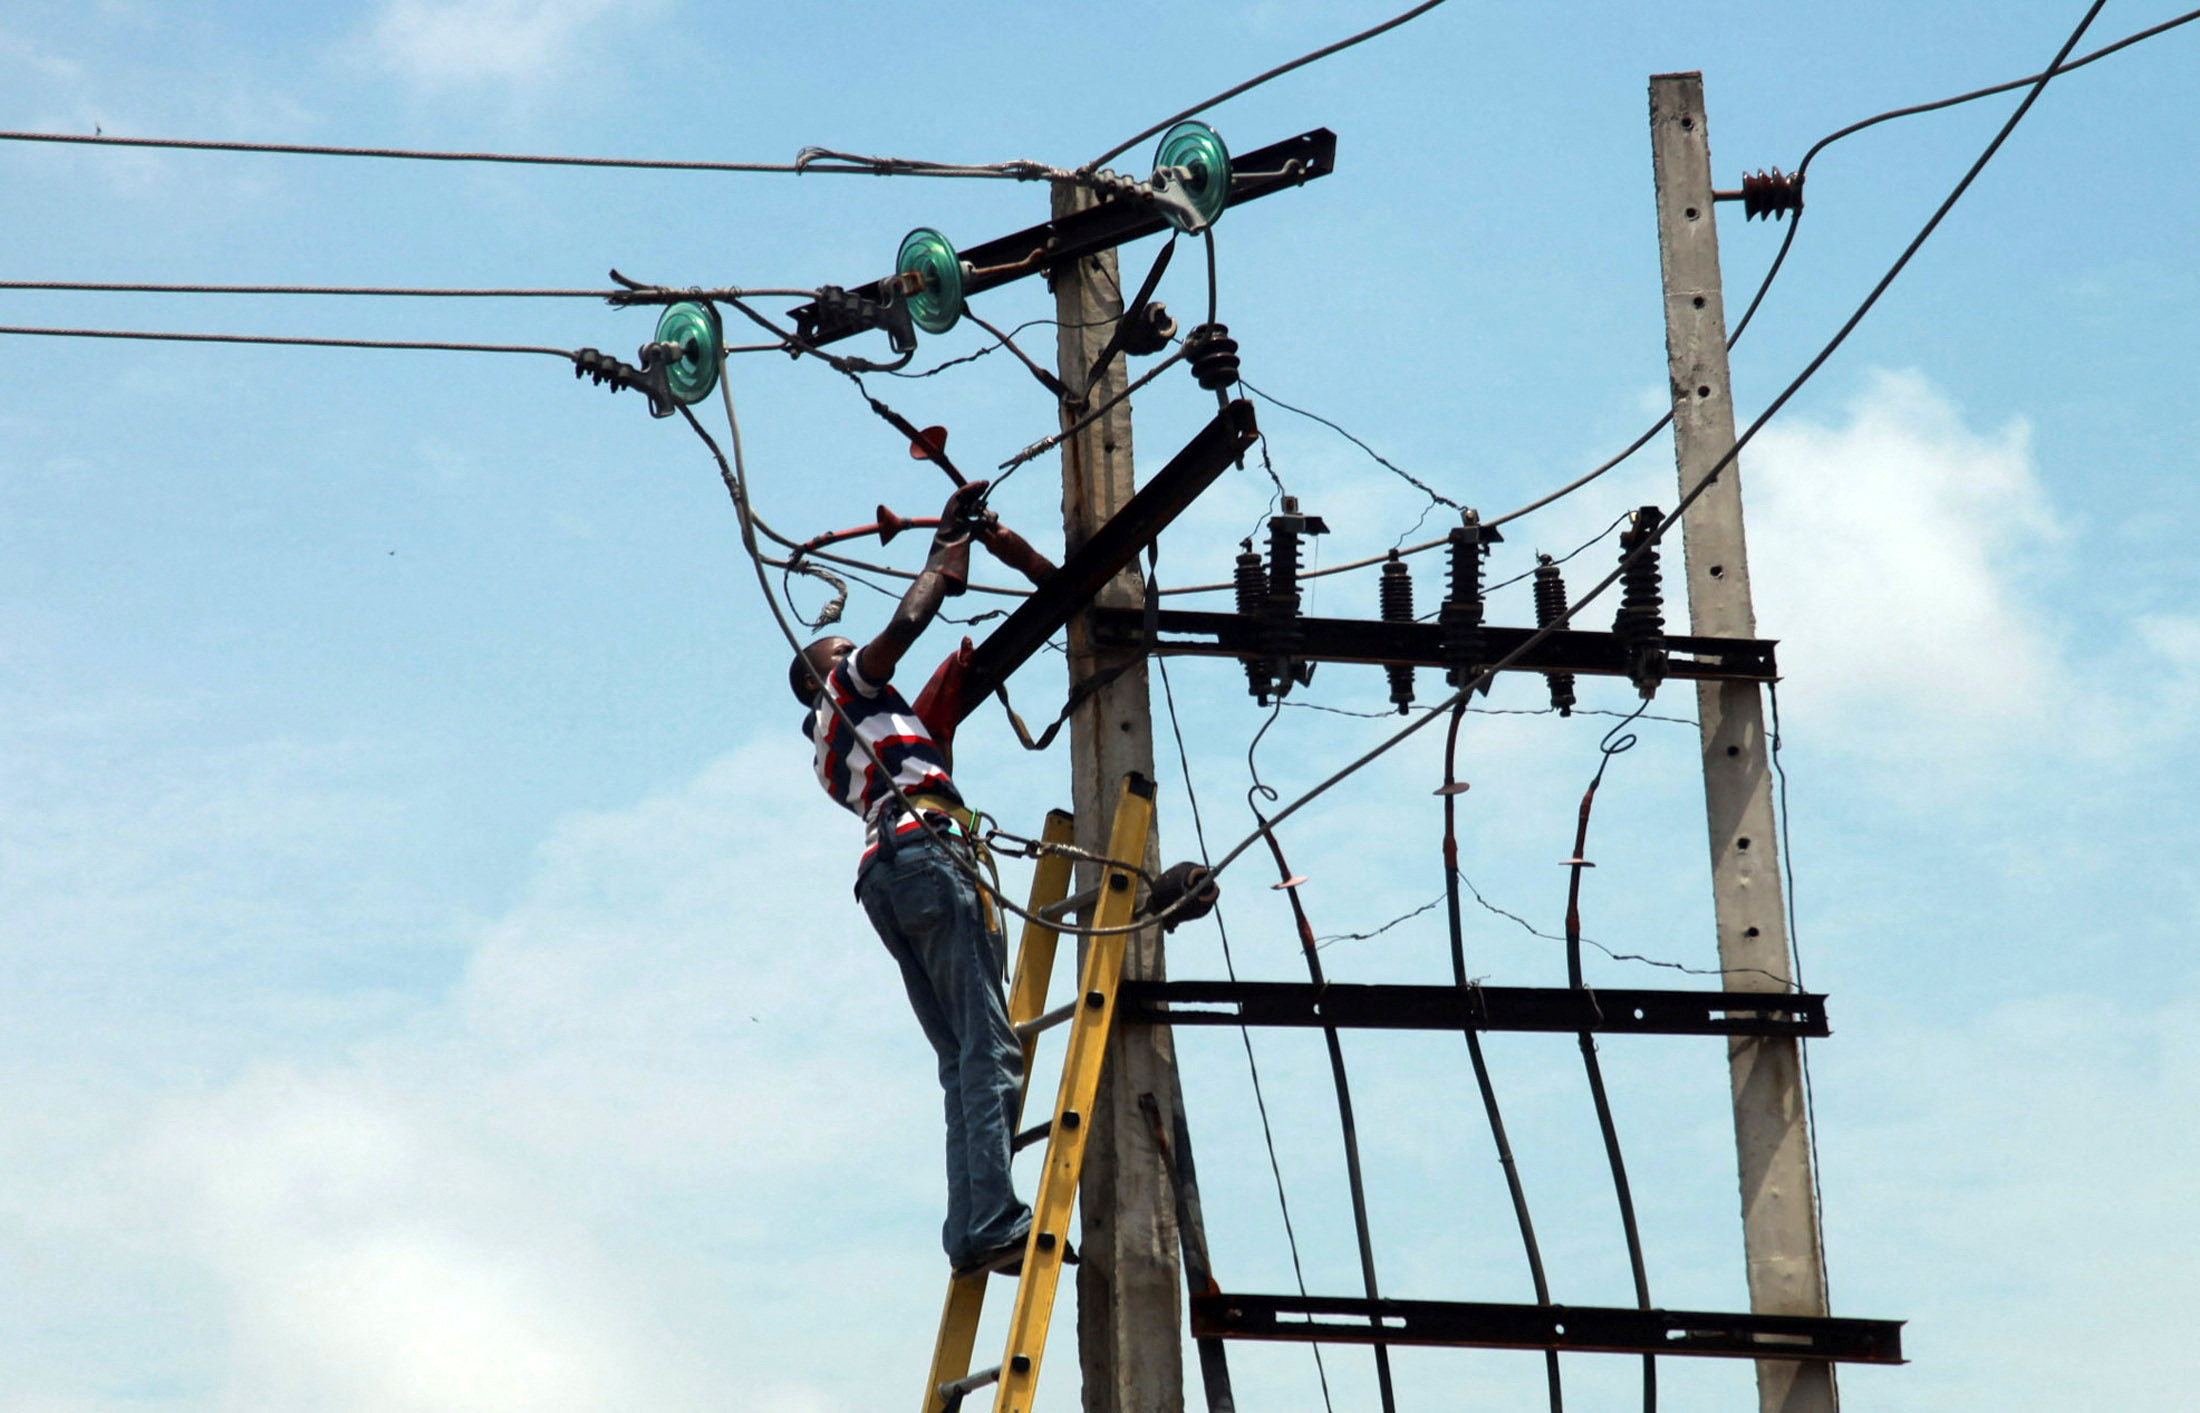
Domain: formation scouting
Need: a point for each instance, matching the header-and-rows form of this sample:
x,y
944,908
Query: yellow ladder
x,y
1090,1015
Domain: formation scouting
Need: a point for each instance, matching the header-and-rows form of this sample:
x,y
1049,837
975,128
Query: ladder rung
x,y
1035,1134
952,1394
1026,1029
1055,912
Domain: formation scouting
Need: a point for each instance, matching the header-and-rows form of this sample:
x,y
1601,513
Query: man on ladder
x,y
917,878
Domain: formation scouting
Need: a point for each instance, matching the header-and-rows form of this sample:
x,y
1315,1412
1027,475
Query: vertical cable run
x,y
1614,744
1245,1033
1474,1049
1353,1178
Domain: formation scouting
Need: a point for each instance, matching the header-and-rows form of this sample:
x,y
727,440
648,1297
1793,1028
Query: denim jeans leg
x,y
927,914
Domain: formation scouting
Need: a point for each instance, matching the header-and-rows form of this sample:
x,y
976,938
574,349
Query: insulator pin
x,y
1213,355
1640,623
1460,619
1772,195
1397,607
1280,634
1550,607
1250,578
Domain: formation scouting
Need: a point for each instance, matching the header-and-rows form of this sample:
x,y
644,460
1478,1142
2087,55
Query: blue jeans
x,y
927,913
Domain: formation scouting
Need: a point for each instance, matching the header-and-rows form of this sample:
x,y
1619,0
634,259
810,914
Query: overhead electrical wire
x,y
1245,1033
288,341
1734,336
612,296
812,161
1703,483
1257,80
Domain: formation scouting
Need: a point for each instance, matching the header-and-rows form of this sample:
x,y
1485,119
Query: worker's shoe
x,y
1007,1259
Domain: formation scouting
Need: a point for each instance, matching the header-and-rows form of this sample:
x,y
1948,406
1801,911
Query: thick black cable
x,y
1616,741
1702,484
1482,1082
1257,80
1245,1033
1354,1181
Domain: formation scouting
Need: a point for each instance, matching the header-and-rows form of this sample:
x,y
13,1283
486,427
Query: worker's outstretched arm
x,y
1012,550
945,572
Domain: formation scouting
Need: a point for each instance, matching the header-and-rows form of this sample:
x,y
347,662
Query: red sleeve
x,y
940,705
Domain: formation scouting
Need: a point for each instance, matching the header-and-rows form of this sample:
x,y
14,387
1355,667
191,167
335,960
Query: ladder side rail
x,y
1027,994
1065,1156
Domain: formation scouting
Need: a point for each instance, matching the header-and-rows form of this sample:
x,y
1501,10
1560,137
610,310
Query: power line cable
x,y
1245,1033
1764,286
1617,741
1703,483
1257,80
287,341
614,296
1490,1109
812,161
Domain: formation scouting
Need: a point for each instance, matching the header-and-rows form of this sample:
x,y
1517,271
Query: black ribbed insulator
x,y
1251,580
1461,616
1772,194
1397,606
1550,606
1214,356
1640,623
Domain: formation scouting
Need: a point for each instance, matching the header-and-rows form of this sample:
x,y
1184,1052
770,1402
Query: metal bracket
x,y
881,306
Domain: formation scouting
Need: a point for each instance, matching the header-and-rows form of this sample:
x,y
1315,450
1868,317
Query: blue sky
x,y
427,976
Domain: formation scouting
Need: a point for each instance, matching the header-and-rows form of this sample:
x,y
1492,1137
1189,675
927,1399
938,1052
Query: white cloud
x,y
452,43
1886,554
674,1097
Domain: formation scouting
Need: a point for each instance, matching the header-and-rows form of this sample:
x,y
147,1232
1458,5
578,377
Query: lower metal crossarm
x,y
1466,1324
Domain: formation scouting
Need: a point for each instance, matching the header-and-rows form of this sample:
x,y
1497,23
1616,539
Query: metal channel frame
x,y
1116,221
1070,589
1196,633
1027,998
1451,1008
1568,1328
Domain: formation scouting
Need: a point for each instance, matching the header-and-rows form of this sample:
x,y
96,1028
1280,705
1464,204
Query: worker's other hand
x,y
964,511
1189,884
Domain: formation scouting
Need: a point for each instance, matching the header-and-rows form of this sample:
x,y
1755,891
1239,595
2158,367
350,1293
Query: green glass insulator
x,y
926,253
693,327
1198,150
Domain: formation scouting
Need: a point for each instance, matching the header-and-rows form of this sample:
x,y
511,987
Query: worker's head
x,y
811,666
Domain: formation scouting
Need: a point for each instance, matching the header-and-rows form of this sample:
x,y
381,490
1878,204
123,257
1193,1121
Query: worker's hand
x,y
964,511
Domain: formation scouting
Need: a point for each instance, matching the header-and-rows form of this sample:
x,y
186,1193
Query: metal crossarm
x,y
1201,633
1450,1008
1065,1157
1344,1320
1027,993
1064,240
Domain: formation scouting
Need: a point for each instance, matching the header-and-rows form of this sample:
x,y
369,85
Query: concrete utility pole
x,y
1787,1274
1128,1296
